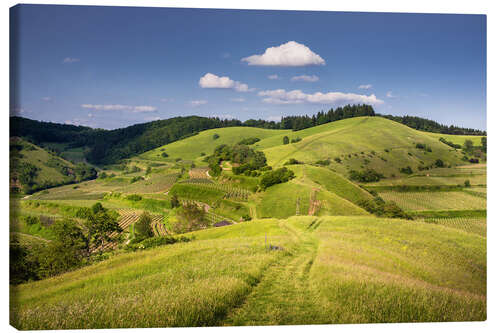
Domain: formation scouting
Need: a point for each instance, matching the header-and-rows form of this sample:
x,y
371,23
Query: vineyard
x,y
156,184
199,173
128,217
209,214
435,200
230,192
472,225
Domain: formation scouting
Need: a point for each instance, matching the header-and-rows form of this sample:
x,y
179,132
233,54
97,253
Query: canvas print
x,y
174,167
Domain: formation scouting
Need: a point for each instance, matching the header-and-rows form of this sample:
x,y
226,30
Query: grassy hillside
x,y
327,270
204,142
33,167
365,142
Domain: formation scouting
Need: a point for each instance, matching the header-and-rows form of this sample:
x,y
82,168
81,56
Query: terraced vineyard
x,y
467,224
199,173
158,183
230,192
434,200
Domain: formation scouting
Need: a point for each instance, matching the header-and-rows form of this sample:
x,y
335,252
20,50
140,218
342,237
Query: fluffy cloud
x,y
273,77
306,78
365,86
196,103
69,60
389,94
281,96
47,99
288,54
210,80
119,107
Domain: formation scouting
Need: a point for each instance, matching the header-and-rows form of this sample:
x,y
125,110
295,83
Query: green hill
x,y
35,168
192,148
325,270
365,142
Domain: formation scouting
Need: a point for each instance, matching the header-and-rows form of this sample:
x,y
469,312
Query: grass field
x,y
435,200
330,270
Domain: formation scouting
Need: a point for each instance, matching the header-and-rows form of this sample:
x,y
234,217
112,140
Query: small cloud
x,y
90,115
237,99
119,107
365,86
166,100
47,99
288,54
226,55
273,77
210,80
274,118
389,94
196,103
281,96
305,78
69,60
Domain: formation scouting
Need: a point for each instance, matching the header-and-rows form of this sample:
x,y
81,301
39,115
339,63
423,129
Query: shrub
x,y
286,140
248,141
215,136
365,176
474,160
134,197
164,154
407,170
293,161
323,162
277,176
467,183
295,140
31,220
337,159
246,217
439,163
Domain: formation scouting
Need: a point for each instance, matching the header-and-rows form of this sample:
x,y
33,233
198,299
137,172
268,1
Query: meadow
x,y
326,270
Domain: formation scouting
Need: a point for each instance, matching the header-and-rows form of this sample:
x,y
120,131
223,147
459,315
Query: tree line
x,y
109,146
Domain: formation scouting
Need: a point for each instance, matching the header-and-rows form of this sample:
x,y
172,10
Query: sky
x,y
110,67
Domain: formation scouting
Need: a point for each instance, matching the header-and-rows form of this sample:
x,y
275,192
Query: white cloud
x,y
273,118
281,96
365,86
90,115
288,54
119,107
389,94
196,103
18,111
226,55
47,99
237,99
210,80
166,100
69,60
273,77
306,78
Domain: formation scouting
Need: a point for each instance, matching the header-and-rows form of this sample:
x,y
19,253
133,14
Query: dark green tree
x,y
143,226
286,140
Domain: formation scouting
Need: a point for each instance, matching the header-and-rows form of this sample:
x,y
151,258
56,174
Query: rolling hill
x,y
35,168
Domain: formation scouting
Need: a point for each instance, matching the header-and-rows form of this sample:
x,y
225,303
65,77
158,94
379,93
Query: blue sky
x,y
110,67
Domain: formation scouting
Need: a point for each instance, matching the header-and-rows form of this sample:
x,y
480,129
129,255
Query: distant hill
x,y
33,168
109,146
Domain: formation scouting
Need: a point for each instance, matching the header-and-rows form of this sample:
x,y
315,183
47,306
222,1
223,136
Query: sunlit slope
x,y
457,139
327,270
192,148
313,191
364,142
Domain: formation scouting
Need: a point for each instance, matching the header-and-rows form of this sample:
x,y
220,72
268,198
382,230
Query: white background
x,y
490,8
